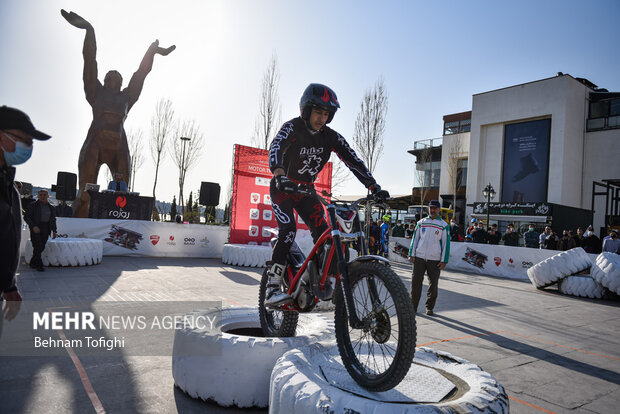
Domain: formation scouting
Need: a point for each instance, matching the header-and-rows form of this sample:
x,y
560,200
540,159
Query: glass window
x,y
451,128
614,107
465,125
599,109
613,121
594,124
461,173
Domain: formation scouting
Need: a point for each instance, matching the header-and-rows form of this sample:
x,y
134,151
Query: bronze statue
x,y
106,141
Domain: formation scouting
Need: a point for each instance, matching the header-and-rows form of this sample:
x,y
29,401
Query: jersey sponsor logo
x,y
274,151
310,151
312,165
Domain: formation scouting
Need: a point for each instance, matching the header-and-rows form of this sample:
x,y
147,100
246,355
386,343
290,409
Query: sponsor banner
x,y
120,206
485,259
148,238
514,209
252,218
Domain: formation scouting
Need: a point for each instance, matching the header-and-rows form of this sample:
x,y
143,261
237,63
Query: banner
x,y
526,161
147,238
514,209
485,259
252,220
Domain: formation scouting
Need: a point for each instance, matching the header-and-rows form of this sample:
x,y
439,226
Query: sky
x,y
432,55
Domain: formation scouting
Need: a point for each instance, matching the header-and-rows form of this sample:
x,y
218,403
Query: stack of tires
x,y
576,274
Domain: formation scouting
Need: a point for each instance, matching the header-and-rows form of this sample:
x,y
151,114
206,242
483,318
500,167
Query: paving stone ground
x,y
552,353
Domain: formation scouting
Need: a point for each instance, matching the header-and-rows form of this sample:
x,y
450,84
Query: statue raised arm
x,y
106,142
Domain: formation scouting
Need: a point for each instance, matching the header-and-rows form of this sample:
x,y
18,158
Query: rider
x,y
297,154
385,235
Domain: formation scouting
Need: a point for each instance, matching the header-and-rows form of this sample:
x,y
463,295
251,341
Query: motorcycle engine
x,y
305,299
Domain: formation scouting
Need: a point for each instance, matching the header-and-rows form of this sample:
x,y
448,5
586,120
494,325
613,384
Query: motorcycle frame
x,y
333,233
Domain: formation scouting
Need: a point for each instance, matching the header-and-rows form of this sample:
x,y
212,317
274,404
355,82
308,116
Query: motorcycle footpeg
x,y
279,304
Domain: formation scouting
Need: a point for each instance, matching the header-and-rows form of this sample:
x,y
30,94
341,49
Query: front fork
x,y
354,320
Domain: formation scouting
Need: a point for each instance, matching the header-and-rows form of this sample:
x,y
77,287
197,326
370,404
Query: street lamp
x,y
182,174
489,193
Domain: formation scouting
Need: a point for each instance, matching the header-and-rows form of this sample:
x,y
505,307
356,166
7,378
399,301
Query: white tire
x,y
556,267
68,252
246,255
298,385
581,285
606,271
237,375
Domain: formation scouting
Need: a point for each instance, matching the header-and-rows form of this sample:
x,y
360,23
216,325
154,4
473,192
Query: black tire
x,y
380,358
274,322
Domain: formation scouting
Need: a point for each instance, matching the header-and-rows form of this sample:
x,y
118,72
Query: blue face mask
x,y
21,154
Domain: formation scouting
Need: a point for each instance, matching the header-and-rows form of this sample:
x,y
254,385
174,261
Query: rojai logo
x,y
121,201
171,242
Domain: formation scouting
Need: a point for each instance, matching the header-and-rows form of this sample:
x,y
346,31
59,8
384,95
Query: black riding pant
x,y
310,210
38,243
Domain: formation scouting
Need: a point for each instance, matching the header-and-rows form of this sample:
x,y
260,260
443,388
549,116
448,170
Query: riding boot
x,y
275,296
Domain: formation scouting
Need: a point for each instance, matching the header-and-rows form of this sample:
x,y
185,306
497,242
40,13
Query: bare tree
x,y
269,106
134,140
423,161
370,125
340,173
109,176
457,153
161,128
186,149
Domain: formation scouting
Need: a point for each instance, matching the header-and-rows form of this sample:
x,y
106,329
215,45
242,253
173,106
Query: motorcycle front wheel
x,y
379,355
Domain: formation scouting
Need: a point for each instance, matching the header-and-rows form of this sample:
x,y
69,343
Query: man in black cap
x,y
41,218
429,252
16,137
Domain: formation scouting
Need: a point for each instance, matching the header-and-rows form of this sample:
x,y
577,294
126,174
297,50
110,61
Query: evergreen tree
x,y
189,203
173,208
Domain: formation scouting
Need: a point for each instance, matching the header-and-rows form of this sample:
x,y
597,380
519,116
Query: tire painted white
x,y
68,252
298,386
255,256
581,285
606,271
239,374
246,255
556,267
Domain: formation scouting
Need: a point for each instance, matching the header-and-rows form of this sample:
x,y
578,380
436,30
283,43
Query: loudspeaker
x,y
65,186
209,194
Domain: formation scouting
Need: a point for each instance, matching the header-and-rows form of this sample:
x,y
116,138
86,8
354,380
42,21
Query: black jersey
x,y
303,154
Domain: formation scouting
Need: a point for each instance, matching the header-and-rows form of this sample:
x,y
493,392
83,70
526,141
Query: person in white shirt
x,y
429,252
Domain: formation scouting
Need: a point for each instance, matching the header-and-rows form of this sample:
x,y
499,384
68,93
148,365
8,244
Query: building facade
x,y
541,146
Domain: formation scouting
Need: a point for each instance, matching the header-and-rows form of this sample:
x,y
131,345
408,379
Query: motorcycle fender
x,y
371,258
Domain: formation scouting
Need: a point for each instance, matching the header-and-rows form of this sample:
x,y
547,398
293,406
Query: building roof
x,y
559,74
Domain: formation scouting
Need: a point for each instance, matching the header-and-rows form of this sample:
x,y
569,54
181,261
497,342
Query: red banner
x,y
251,214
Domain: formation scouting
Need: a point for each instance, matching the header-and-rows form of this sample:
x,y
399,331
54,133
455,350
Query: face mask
x,y
531,228
21,154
